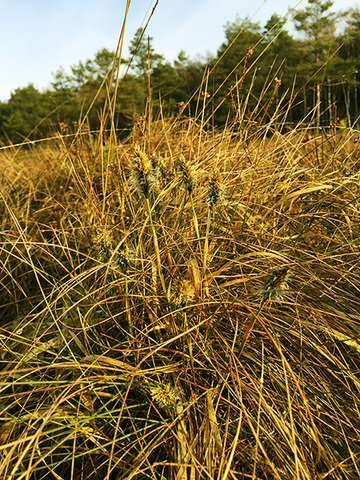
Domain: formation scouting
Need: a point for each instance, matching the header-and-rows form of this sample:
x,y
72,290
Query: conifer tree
x,y
318,24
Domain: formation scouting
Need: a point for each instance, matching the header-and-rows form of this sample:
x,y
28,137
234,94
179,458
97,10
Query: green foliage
x,y
168,87
142,54
23,113
351,38
190,71
318,24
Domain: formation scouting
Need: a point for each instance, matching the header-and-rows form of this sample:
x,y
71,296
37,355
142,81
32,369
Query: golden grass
x,y
123,315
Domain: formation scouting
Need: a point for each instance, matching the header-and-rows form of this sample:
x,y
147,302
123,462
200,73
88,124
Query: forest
x,y
311,76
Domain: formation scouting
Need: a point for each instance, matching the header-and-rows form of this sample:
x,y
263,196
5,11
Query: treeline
x,y
259,72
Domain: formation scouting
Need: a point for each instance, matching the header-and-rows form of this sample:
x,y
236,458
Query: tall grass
x,y
171,332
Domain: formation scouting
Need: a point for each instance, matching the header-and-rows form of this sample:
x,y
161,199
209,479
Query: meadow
x,y
182,304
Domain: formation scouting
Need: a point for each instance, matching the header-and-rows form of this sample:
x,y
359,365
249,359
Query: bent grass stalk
x,y
206,252
250,327
189,343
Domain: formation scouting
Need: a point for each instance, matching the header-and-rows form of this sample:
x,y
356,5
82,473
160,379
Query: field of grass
x,y
183,304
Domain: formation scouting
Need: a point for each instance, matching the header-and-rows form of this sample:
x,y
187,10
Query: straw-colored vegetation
x,y
180,305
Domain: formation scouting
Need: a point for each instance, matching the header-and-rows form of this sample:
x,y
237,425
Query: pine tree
x,y
318,23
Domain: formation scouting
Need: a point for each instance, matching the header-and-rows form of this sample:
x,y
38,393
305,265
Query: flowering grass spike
x,y
143,179
187,174
215,188
275,284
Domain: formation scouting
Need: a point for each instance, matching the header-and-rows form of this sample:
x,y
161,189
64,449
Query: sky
x,y
37,37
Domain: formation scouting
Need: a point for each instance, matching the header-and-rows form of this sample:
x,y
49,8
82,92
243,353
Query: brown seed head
x,y
249,52
102,247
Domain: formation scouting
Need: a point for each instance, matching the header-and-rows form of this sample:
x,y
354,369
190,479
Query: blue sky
x,y
37,37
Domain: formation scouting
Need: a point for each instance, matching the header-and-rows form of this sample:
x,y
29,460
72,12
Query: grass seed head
x,y
143,178
102,247
187,174
215,188
159,168
123,258
249,52
165,396
182,292
275,284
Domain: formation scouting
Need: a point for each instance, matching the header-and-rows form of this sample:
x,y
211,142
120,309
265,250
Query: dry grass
x,y
136,338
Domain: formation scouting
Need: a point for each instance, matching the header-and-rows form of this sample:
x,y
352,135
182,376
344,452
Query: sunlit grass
x,y
138,335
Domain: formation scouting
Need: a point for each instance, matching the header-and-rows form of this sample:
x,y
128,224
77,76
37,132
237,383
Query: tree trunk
x,y
318,101
329,102
346,93
355,99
